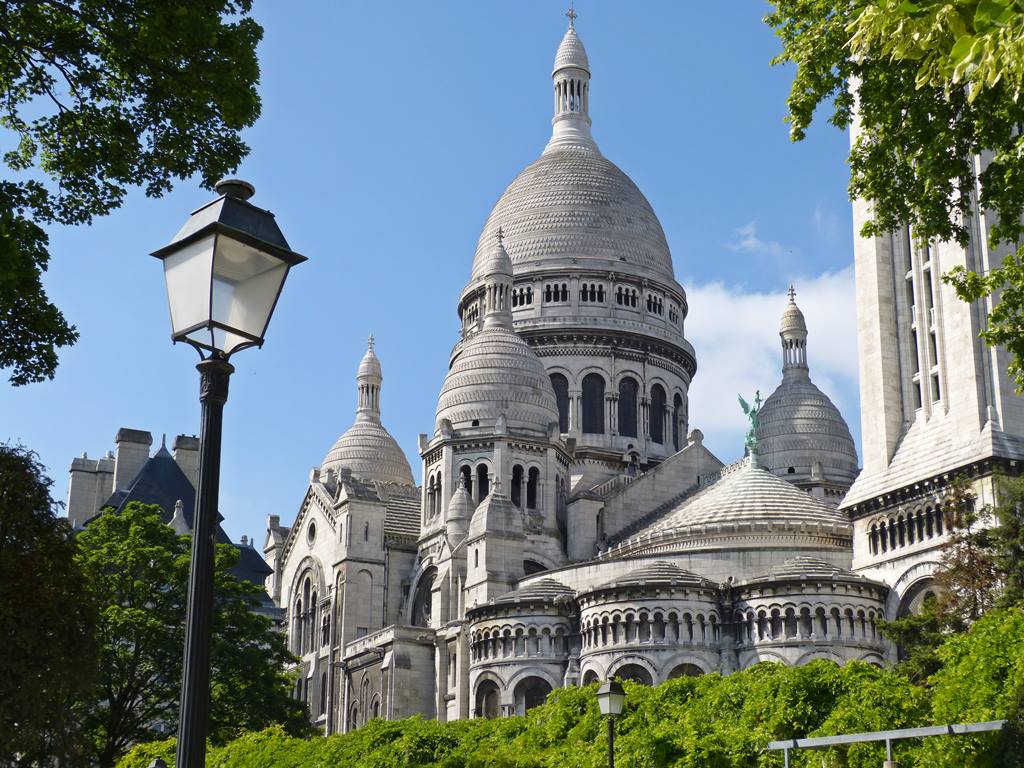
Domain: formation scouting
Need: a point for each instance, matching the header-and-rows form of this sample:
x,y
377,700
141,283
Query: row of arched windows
x,y
644,627
903,530
625,297
555,293
521,641
592,293
522,297
478,487
570,95
655,305
305,619
806,624
435,496
593,407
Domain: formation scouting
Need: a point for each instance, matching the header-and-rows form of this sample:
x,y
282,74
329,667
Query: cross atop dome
x,y
571,13
369,342
792,294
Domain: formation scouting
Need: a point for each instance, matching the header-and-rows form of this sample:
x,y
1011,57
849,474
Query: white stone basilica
x,y
570,526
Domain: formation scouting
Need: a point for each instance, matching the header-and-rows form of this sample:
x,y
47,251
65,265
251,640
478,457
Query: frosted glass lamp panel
x,y
187,273
246,283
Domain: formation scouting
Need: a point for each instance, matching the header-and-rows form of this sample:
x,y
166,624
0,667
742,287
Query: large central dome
x,y
574,206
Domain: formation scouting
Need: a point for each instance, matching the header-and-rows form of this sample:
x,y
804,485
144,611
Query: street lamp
x,y
610,698
224,272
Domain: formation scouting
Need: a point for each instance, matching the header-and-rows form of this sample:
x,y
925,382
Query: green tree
x,y
936,84
982,678
137,569
46,619
98,96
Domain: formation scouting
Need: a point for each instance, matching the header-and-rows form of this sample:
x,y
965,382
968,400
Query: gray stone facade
x,y
571,525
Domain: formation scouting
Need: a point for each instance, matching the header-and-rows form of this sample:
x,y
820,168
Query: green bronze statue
x,y
753,414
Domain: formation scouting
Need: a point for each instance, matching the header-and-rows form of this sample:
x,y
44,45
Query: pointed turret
x,y
793,332
368,383
571,76
498,286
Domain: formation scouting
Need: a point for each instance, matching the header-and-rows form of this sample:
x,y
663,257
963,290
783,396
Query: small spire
x,y
501,236
792,294
369,343
571,13
163,441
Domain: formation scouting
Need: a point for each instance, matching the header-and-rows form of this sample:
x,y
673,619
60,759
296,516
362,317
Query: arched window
x,y
366,531
467,477
561,386
323,693
531,488
482,481
438,495
657,414
593,403
677,415
517,485
565,292
627,407
325,629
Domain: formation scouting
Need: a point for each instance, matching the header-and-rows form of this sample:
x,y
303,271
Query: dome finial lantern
x,y
793,333
571,75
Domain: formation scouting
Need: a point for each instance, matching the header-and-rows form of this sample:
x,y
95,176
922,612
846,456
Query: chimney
x,y
89,485
186,455
132,451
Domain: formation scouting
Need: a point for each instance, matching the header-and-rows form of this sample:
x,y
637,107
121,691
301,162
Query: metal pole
x,y
889,762
611,741
195,679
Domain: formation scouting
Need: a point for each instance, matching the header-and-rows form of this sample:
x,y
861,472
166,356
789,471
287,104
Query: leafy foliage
x,y
137,570
46,620
936,84
710,721
100,96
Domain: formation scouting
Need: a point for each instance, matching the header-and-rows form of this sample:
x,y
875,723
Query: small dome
x,y
793,322
799,427
743,499
369,366
497,261
461,505
659,573
571,53
371,453
807,567
542,591
496,374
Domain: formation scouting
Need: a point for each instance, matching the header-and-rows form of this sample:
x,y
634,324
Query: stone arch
x,y
487,698
422,600
685,669
819,654
589,677
530,692
634,668
593,388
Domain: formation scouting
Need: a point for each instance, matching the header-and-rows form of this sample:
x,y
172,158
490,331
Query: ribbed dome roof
x,y
798,426
659,573
572,207
807,567
792,320
545,590
497,374
571,52
750,496
369,366
371,453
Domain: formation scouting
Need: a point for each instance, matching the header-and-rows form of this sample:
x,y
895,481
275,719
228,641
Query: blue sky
x,y
388,132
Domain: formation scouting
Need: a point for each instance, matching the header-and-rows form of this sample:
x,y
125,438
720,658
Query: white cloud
x,y
734,332
746,240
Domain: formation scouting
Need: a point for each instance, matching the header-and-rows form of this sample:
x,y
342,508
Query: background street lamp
x,y
224,272
610,698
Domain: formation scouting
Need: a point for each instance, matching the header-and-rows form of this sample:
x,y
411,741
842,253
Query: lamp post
x,y
610,698
224,272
